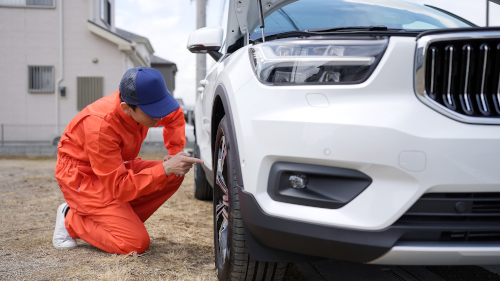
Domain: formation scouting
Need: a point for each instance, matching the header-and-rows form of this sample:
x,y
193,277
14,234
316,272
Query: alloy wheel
x,y
222,201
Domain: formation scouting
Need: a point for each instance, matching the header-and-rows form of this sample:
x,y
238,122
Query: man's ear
x,y
125,108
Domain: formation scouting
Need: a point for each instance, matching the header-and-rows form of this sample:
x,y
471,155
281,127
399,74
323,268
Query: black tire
x,y
56,140
233,262
202,189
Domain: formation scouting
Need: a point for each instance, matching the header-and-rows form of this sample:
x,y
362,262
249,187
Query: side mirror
x,y
206,40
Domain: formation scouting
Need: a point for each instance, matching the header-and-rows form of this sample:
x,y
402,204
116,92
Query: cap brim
x,y
160,108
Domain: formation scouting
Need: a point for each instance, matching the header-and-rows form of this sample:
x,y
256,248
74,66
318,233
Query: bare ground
x,y
181,234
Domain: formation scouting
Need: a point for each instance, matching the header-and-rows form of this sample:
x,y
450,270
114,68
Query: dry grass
x,y
181,233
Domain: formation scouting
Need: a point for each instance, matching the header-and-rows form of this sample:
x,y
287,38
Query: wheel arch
x,y
221,107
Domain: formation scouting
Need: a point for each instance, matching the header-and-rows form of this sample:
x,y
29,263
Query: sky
x,y
168,23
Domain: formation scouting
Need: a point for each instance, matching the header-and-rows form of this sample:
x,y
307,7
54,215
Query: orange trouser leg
x,y
146,205
114,229
119,227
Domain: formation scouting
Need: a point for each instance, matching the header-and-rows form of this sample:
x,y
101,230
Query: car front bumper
x,y
378,128
377,247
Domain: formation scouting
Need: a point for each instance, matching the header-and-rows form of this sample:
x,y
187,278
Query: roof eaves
x,y
109,31
137,38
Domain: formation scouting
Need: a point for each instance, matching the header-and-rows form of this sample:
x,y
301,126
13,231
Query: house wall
x,y
81,47
31,37
143,52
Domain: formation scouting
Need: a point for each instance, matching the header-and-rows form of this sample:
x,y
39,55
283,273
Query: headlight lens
x,y
284,62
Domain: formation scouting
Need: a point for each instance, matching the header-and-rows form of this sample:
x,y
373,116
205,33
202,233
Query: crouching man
x,y
109,193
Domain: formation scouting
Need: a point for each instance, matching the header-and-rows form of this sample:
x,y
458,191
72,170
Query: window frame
x,y
53,6
105,12
30,78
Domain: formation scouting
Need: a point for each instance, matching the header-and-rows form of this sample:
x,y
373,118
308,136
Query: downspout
x,y
61,63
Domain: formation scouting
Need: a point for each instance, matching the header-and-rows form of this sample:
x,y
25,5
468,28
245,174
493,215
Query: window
x,y
106,11
27,3
40,79
89,90
39,2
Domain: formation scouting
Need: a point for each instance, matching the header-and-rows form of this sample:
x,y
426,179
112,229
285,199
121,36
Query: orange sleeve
x,y
102,145
174,134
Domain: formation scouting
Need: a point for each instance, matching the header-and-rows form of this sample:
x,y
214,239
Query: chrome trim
x,y
486,49
433,68
466,95
441,253
421,53
498,91
450,72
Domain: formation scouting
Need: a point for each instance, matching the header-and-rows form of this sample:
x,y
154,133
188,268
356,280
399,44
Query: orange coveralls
x,y
110,193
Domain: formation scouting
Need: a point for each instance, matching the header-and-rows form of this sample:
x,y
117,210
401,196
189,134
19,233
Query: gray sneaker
x,y
61,238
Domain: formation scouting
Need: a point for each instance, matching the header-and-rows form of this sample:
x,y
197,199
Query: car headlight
x,y
309,62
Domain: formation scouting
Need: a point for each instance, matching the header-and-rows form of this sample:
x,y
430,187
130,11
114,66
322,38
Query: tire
x,y
56,140
232,260
202,189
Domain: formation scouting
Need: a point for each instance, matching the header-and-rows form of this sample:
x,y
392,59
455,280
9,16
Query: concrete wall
x,y
30,36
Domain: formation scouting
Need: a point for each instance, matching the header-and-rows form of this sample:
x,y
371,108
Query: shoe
x,y
61,238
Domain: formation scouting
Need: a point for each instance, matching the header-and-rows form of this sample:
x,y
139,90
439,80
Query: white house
x,y
56,57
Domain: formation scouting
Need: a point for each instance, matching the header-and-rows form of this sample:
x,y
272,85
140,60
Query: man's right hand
x,y
179,164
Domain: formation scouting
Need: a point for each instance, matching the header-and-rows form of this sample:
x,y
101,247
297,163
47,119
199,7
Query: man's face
x,y
139,116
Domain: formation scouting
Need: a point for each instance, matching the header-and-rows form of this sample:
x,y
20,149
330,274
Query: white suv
x,y
360,130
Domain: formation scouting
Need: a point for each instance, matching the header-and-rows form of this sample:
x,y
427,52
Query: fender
x,y
221,94
258,251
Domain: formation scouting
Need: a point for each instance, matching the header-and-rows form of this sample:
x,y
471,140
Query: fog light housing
x,y
298,181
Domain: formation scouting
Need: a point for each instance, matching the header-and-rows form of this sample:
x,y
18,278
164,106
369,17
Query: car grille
x,y
463,216
452,207
470,236
461,77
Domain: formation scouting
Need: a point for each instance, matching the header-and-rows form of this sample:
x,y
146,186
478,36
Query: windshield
x,y
308,14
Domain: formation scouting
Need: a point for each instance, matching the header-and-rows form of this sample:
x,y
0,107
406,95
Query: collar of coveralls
x,y
124,115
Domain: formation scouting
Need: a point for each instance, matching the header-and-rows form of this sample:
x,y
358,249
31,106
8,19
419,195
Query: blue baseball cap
x,y
145,87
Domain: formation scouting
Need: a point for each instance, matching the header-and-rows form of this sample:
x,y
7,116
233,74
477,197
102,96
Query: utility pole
x,y
201,59
487,12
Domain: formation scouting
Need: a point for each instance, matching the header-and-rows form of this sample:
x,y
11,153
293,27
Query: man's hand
x,y
179,164
167,157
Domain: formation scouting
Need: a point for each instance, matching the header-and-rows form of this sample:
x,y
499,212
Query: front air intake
x,y
454,207
458,75
462,217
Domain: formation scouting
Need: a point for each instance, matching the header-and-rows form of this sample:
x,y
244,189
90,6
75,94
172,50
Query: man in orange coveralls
x,y
110,193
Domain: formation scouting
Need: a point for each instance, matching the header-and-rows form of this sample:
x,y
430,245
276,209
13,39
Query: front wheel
x,y
56,140
231,256
202,189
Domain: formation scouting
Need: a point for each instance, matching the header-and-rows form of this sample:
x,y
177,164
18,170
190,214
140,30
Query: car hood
x,y
247,12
